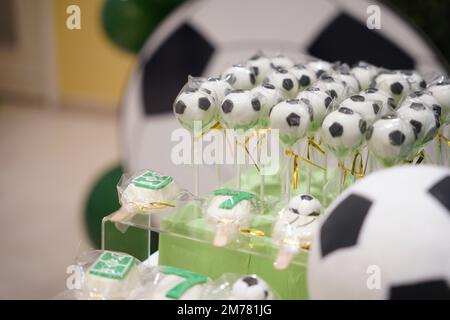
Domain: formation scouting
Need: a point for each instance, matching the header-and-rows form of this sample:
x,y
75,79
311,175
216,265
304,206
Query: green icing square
x,y
112,265
152,180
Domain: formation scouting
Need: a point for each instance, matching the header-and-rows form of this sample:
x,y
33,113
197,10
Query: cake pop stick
x,y
295,227
292,118
229,211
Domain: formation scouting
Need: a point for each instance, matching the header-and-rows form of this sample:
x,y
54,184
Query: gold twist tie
x,y
253,232
442,137
352,170
215,126
150,205
296,158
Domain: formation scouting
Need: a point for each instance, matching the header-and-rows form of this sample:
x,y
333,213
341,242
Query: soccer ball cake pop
x,y
343,131
250,288
217,86
304,76
269,96
292,118
320,103
390,139
364,72
260,65
379,96
441,91
229,211
283,80
295,227
415,80
240,77
345,75
393,83
425,121
370,110
240,110
194,105
336,88
319,67
281,61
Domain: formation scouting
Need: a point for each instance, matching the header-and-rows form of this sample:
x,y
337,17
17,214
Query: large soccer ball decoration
x,y
203,38
386,237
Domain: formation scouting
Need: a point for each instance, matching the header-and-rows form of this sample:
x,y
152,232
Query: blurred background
x,y
86,84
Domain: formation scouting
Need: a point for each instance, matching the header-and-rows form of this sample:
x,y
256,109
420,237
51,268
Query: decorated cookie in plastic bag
x,y
344,74
343,131
305,76
336,88
240,110
240,77
416,81
170,283
424,121
295,228
219,87
194,104
147,191
229,211
269,96
370,110
390,140
319,101
112,275
386,101
260,65
281,61
393,83
440,89
283,80
292,118
237,287
320,67
364,72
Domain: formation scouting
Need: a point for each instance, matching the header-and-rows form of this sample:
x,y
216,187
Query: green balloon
x,y
128,23
102,201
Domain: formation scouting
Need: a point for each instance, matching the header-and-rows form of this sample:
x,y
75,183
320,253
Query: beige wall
x,y
92,71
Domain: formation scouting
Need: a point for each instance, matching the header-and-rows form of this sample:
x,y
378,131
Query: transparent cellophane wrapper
x,y
169,283
132,228
222,289
104,275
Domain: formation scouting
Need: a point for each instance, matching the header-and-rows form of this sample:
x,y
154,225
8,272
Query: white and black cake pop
x,y
240,110
345,75
292,118
393,83
364,72
390,139
269,96
425,121
319,67
281,61
387,102
370,110
441,91
251,288
283,80
343,131
319,101
336,88
416,81
217,86
195,105
240,77
304,76
260,65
